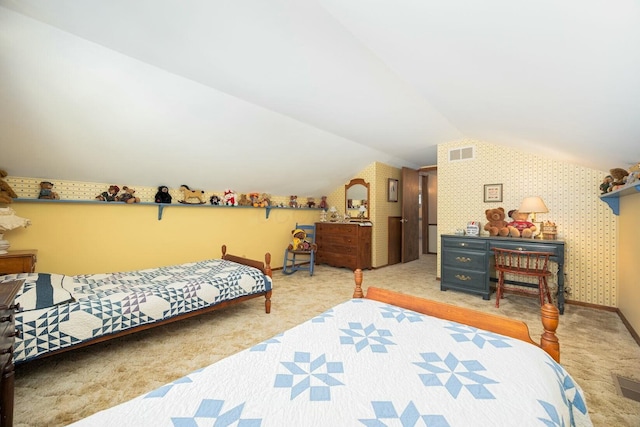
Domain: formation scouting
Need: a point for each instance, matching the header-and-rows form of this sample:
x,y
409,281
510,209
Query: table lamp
x,y
9,221
534,205
333,214
361,212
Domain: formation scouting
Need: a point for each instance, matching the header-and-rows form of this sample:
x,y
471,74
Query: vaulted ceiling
x,y
296,96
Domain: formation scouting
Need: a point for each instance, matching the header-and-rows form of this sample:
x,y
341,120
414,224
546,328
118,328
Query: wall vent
x,y
627,387
462,153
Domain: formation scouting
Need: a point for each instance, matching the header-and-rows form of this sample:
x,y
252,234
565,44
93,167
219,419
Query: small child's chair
x,y
300,254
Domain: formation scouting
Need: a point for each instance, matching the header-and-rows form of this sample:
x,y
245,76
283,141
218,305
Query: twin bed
x,y
383,359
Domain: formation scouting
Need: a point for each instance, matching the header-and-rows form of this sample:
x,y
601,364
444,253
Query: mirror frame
x,y
357,181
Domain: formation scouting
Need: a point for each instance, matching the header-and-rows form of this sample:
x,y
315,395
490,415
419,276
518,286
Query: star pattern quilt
x,y
367,363
59,311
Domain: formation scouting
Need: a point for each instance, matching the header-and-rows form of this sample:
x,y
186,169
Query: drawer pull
x,y
17,333
6,350
463,244
463,259
15,307
462,277
5,319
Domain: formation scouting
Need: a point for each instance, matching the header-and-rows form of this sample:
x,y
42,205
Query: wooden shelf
x,y
613,198
161,206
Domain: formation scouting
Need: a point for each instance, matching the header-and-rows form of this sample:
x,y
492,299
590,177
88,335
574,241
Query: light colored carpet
x,y
58,390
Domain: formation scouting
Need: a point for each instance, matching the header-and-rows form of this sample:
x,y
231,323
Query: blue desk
x,y
467,262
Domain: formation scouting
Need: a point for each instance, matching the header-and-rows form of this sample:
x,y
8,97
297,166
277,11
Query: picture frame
x,y
492,193
392,190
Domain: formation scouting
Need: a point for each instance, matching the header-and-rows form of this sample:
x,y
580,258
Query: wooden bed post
x,y
549,340
224,250
357,293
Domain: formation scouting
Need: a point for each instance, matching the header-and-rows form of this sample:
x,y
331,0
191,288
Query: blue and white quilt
x,y
59,311
366,363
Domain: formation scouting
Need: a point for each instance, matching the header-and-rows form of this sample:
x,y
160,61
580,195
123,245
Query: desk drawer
x,y
471,260
463,278
467,243
525,246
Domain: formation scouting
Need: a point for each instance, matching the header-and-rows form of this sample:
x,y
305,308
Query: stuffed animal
x,y
255,199
300,242
244,200
229,198
214,200
127,195
6,192
606,184
46,191
496,225
323,203
265,200
163,196
311,202
520,226
111,195
619,178
293,201
189,195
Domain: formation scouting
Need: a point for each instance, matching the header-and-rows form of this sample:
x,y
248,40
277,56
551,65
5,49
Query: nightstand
x,y
18,261
8,334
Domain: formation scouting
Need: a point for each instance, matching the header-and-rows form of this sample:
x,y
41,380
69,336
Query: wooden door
x,y
410,215
395,239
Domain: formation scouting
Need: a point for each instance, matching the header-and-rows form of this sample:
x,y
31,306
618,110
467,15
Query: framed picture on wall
x,y
493,193
392,190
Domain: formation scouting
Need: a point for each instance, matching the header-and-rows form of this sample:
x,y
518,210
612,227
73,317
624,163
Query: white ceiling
x,y
305,93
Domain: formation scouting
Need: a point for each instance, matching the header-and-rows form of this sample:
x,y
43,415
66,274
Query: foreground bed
x,y
59,313
374,361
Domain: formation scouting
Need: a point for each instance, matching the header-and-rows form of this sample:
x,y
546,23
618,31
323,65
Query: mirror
x,y
356,196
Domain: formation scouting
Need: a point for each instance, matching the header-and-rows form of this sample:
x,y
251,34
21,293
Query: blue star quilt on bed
x,y
367,363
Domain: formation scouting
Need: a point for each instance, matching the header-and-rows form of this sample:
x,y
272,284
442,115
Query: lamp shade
x,y
533,205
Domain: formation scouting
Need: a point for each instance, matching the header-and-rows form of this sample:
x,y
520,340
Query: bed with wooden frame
x,y
112,305
378,359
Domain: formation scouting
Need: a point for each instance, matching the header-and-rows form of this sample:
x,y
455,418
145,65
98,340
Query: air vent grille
x,y
627,387
462,153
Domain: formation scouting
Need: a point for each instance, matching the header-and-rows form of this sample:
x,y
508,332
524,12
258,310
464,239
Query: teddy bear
x,y
111,195
214,200
619,178
6,192
300,242
323,203
127,195
520,226
293,201
244,200
163,196
229,198
496,225
46,191
311,202
265,200
606,184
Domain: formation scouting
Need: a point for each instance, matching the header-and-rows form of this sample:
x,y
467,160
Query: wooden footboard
x,y
487,321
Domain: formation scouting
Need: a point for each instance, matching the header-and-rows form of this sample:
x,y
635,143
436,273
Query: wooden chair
x,y
301,259
524,263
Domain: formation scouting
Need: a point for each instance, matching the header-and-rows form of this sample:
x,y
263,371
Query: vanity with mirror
x,y
348,243
356,199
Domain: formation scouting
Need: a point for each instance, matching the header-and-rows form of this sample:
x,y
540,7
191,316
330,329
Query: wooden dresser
x,y
18,262
8,335
344,245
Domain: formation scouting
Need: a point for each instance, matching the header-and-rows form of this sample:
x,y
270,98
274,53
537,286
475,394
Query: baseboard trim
x,y
632,331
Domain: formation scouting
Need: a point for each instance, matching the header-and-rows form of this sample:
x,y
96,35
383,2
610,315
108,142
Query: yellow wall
x,y
629,260
585,223
80,238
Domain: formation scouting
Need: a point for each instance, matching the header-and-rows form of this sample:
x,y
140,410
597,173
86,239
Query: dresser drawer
x,y
459,258
464,243
461,278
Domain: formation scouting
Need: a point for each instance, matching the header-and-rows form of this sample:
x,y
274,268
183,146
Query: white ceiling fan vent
x,y
462,153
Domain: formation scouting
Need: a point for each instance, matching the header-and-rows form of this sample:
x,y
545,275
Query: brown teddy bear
x,y
496,225
127,195
46,191
520,226
6,192
111,195
300,242
619,178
